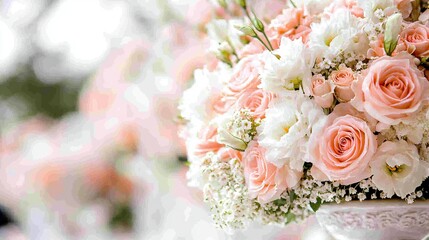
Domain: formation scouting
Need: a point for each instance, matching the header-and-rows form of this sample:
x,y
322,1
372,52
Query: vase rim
x,y
356,204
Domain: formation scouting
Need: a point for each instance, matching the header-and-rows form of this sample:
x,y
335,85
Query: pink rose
x,y
291,24
245,76
417,35
207,141
342,148
256,101
391,90
343,79
264,180
404,7
322,91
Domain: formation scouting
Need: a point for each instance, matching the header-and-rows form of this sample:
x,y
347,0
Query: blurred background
x,y
89,145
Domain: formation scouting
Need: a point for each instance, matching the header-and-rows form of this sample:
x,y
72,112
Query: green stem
x,y
293,4
265,45
265,36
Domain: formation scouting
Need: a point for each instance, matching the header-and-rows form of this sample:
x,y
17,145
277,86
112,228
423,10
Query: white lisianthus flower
x,y
291,69
286,129
196,105
342,32
397,168
376,9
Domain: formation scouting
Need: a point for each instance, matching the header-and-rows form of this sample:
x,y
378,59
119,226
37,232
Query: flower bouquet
x,y
320,102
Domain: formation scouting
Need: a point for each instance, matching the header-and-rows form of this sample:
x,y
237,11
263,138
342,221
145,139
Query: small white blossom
x,y
237,129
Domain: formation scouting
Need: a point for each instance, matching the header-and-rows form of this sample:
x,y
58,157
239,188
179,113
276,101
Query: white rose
x,y
397,168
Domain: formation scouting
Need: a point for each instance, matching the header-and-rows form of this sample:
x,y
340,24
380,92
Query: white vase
x,y
376,220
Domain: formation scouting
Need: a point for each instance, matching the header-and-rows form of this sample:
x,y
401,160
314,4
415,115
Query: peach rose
x,y
291,24
207,142
245,76
391,89
256,101
342,148
343,79
264,180
417,35
322,91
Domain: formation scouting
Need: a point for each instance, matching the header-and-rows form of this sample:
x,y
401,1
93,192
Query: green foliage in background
x,y
53,100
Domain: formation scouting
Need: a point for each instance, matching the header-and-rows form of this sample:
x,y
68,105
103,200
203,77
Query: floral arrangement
x,y
324,102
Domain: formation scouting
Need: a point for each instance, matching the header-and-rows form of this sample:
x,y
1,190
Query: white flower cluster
x,y
226,193
288,68
286,129
238,129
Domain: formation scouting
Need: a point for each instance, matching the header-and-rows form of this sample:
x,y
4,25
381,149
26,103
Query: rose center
x,y
417,37
394,87
345,143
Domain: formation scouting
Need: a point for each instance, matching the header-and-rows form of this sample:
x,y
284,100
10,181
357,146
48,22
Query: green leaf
x,y
292,196
290,217
315,206
280,202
